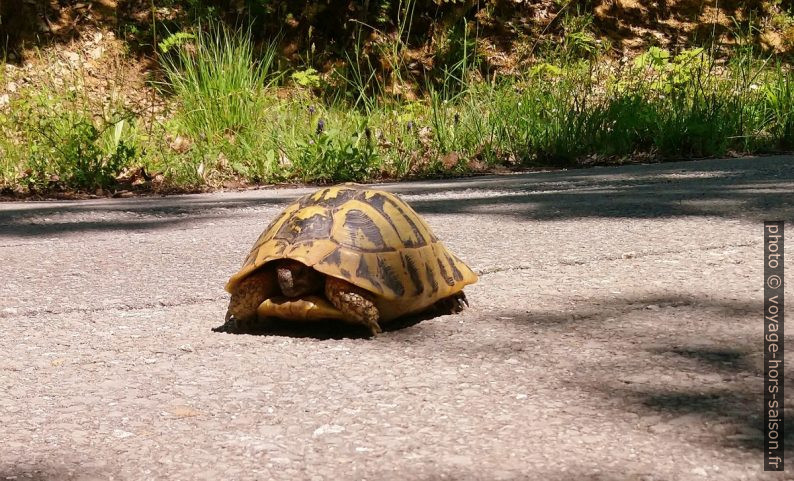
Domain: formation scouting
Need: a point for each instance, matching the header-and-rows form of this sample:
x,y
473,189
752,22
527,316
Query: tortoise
x,y
350,253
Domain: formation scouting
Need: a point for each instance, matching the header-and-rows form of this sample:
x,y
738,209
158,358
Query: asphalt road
x,y
615,334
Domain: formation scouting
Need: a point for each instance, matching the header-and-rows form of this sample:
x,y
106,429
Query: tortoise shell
x,y
369,238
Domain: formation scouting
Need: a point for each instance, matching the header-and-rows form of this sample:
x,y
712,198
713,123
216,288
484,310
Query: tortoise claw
x,y
452,304
374,328
462,301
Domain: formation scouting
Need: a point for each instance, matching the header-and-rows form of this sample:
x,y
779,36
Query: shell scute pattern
x,y
430,275
275,226
391,279
330,198
453,261
360,231
413,272
306,225
405,228
369,238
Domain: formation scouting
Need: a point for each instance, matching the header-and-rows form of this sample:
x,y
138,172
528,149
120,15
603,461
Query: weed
x,y
63,147
332,155
218,84
226,121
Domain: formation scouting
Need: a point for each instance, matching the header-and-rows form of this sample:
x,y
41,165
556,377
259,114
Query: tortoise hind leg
x,y
448,305
451,304
356,303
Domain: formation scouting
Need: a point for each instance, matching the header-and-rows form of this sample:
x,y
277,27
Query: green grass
x,y
230,119
52,140
219,85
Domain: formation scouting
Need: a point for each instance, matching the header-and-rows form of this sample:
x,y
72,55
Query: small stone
x,y
121,434
659,428
328,429
700,471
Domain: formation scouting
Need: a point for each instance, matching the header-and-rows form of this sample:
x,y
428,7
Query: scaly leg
x,y
451,304
249,294
356,303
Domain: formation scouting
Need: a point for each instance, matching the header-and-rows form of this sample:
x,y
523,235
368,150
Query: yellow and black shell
x,y
369,238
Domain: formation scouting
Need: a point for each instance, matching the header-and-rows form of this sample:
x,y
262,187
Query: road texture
x,y
615,334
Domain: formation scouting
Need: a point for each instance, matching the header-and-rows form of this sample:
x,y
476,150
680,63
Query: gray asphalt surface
x,y
615,334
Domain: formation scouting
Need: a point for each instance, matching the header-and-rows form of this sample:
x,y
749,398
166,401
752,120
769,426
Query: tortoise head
x,y
296,279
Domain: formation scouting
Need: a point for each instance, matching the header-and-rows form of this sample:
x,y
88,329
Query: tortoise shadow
x,y
329,330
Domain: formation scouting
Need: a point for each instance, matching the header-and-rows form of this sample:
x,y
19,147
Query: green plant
x,y
578,40
778,101
457,57
219,84
307,78
360,79
370,80
331,155
671,74
175,40
65,148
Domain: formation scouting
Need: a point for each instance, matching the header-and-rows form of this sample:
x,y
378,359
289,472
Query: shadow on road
x,y
141,214
47,473
713,386
325,330
727,188
739,403
710,388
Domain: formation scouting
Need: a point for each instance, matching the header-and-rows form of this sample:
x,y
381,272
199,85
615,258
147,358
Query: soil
x,y
507,31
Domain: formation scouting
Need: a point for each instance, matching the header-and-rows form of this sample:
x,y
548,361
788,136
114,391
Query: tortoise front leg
x,y
248,295
356,303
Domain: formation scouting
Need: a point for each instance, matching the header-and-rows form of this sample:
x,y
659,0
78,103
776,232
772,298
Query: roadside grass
x,y
55,137
233,117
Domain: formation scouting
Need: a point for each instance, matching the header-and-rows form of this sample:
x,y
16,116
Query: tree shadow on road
x,y
735,188
706,388
737,407
732,188
125,215
38,472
